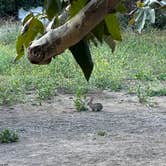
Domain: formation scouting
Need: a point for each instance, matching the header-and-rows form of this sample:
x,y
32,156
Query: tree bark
x,y
57,40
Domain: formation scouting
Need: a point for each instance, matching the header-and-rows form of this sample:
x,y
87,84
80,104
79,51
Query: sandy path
x,y
55,135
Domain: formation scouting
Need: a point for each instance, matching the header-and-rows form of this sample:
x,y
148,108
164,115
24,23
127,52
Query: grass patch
x,y
8,136
80,102
138,57
160,92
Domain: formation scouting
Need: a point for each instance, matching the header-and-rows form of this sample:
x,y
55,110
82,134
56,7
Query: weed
x,y
142,94
80,100
162,76
8,136
102,133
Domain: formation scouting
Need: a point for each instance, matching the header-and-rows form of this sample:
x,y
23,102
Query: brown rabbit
x,y
95,106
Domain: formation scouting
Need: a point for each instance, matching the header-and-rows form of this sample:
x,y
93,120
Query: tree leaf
x,y
113,26
140,4
121,8
35,27
82,56
28,34
19,48
30,15
132,21
98,31
76,6
26,26
52,7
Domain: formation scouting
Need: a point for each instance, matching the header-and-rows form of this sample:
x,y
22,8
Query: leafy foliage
x,y
113,26
107,31
31,28
145,11
76,6
52,8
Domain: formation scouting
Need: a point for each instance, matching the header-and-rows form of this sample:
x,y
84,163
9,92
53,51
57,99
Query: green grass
x,y
139,58
80,102
8,136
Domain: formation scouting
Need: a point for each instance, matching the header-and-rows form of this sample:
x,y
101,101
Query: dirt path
x,y
55,135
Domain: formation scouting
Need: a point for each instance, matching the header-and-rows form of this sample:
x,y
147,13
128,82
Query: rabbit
x,y
94,106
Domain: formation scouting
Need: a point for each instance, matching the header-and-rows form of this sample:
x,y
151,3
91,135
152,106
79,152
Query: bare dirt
x,y
54,134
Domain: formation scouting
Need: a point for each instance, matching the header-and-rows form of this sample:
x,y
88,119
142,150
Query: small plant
x,y
102,133
8,136
160,92
44,90
80,100
142,94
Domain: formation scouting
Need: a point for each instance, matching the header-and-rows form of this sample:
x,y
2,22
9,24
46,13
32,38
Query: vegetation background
x,y
37,102
137,66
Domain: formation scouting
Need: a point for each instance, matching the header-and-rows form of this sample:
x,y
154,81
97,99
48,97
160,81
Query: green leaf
x,y
121,8
113,26
76,6
35,27
52,7
29,31
98,31
26,26
19,48
82,55
30,15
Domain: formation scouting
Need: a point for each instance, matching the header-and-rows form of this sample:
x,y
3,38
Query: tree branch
x,y
57,40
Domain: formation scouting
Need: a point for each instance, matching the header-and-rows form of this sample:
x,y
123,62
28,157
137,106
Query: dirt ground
x,y
54,134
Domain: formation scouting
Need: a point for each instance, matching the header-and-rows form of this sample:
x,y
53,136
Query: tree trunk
x,y
57,40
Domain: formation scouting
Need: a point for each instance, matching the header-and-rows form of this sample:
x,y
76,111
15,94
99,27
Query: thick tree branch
x,y
57,40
